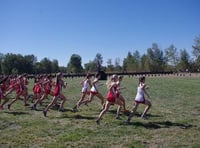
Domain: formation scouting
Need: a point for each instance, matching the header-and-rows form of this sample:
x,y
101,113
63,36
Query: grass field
x,y
174,119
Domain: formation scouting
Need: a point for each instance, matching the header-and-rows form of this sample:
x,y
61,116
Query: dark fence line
x,y
104,75
108,74
119,73
136,74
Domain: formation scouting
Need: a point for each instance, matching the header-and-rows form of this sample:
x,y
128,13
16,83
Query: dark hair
x,y
49,76
141,79
120,77
88,75
97,74
36,79
58,74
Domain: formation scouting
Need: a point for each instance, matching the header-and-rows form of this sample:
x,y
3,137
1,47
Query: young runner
x,y
3,89
120,78
59,84
111,98
140,99
86,85
20,91
94,91
46,86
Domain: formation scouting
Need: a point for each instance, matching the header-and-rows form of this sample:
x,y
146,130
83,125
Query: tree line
x,y
154,60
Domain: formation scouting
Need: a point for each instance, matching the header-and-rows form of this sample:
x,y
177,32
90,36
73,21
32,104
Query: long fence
x,y
137,74
104,75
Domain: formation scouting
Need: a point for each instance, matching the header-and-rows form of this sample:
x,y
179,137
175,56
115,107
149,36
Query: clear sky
x,y
56,29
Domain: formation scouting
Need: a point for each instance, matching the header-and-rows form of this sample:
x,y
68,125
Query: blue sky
x,y
56,29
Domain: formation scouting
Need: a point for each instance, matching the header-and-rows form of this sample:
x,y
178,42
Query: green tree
x,y
196,53
13,63
136,60
74,64
144,63
98,60
117,66
17,64
110,66
184,61
38,68
55,66
95,65
171,55
196,47
1,61
128,62
156,58
62,69
90,66
45,65
29,62
132,62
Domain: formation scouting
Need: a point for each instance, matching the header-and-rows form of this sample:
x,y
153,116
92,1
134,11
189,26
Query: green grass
x,y
174,119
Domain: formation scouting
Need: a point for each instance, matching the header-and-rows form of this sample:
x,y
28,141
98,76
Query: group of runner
x,y
45,86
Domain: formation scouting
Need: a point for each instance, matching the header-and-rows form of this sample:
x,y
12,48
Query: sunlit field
x,y
173,121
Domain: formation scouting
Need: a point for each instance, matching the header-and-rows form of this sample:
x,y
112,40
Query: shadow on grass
x,y
136,114
157,125
55,108
78,117
15,113
115,112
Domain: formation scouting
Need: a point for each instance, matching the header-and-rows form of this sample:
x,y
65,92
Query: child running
x,y
3,89
20,91
59,84
47,85
111,98
140,99
94,91
37,90
120,78
25,91
86,84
